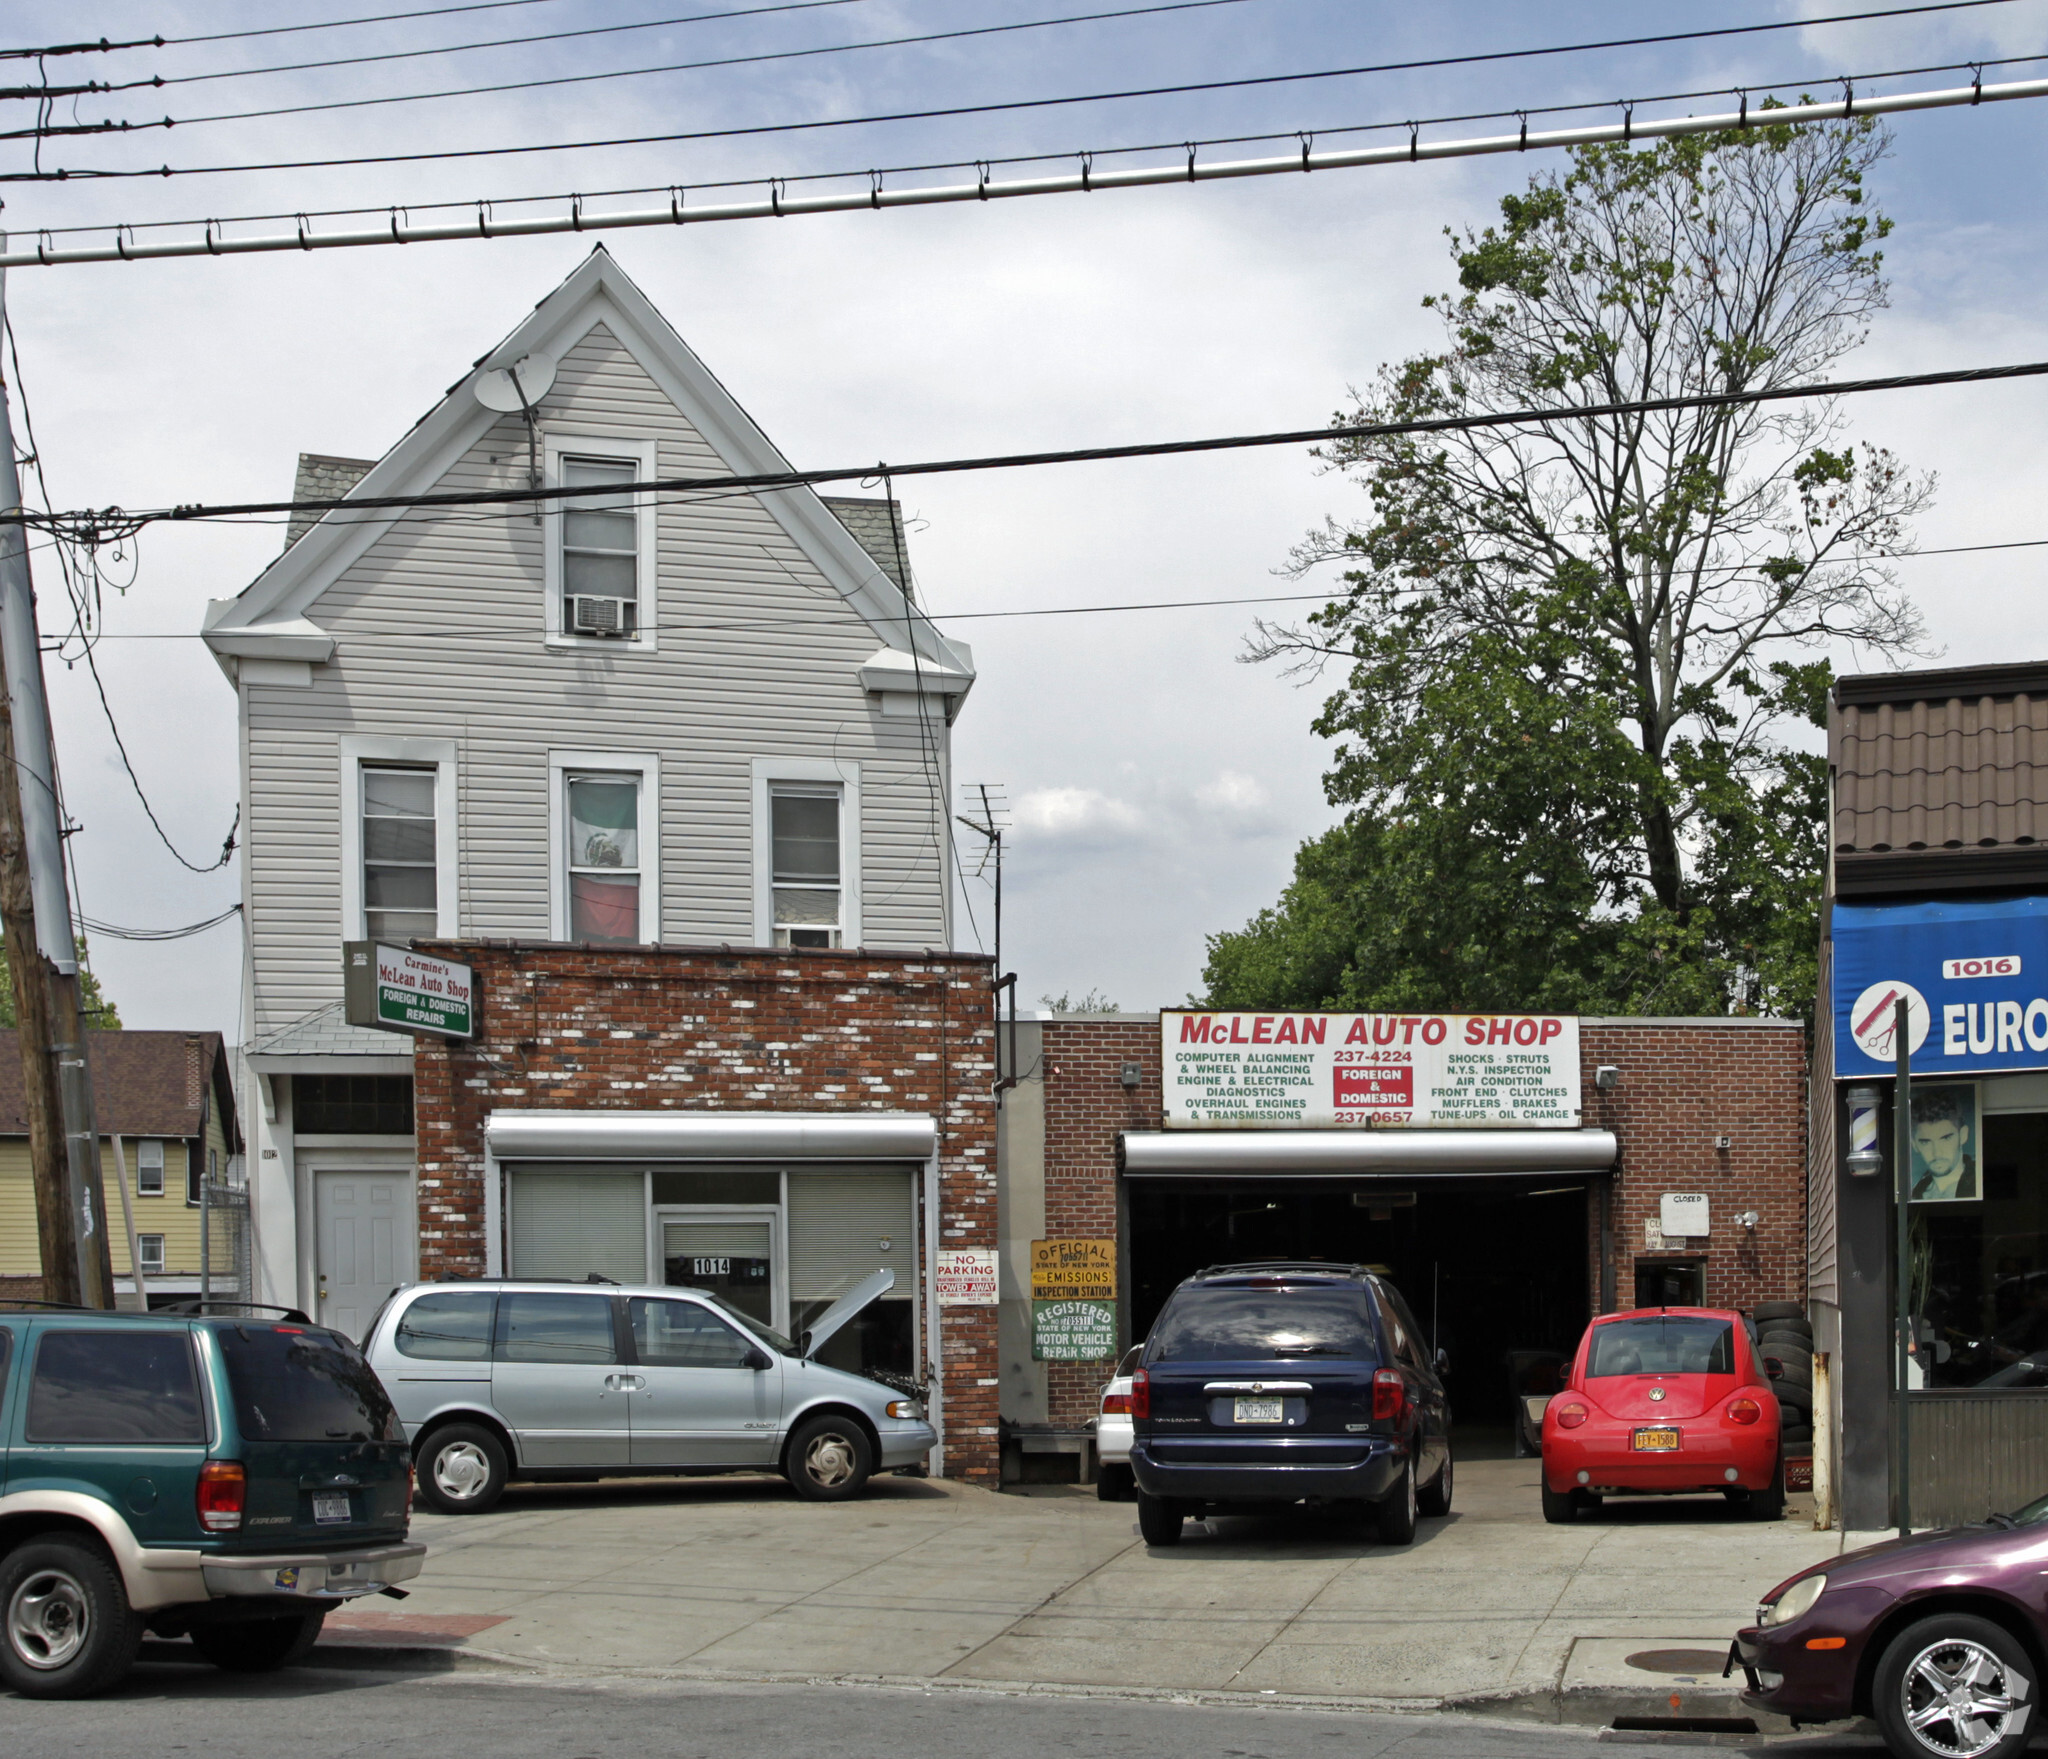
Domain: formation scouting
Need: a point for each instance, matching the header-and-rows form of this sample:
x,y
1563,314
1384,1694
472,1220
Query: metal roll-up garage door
x,y
838,1226
570,1224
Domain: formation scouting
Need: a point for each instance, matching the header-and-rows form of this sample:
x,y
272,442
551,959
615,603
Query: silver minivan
x,y
497,1380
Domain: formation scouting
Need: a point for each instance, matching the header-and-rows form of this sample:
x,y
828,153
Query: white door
x,y
365,1244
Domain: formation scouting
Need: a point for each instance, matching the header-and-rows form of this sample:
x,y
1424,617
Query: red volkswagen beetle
x,y
1664,1401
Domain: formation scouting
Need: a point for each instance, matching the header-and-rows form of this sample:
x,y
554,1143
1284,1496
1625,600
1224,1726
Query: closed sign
x,y
1683,1212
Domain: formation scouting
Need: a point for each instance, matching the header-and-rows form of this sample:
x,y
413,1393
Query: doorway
x,y
363,1245
1495,1269
734,1253
1671,1282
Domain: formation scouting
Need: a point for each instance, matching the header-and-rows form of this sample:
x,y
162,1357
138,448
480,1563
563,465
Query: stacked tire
x,y
1786,1334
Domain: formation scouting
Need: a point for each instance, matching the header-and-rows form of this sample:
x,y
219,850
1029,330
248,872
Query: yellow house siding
x,y
169,1215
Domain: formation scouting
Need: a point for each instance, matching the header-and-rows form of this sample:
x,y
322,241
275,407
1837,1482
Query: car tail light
x,y
1116,1404
1389,1392
1744,1411
223,1488
1141,1394
1571,1416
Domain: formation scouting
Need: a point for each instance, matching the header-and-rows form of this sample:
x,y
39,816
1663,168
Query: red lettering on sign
x,y
1287,1033
1312,1031
1383,1028
1551,1028
1262,1029
1433,1030
1498,1031
1357,1033
1475,1030
1194,1029
1237,1031
1525,1032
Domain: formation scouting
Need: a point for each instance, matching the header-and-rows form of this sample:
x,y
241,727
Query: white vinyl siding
x,y
570,1224
440,632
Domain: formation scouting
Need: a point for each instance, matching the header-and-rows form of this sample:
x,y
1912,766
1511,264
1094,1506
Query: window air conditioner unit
x,y
601,616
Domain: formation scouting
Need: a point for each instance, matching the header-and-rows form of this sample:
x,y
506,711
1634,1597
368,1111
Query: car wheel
x,y
1395,1516
1768,1504
66,1628
461,1469
1434,1498
1560,1507
1158,1520
1113,1483
259,1645
828,1459
1953,1687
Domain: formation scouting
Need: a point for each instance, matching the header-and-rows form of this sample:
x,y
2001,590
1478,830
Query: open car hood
x,y
869,1289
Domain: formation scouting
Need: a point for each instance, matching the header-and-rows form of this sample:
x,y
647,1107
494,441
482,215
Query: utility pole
x,y
35,914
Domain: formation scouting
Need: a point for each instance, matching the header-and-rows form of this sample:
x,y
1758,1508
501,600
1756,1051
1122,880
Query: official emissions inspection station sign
x,y
1312,1071
397,990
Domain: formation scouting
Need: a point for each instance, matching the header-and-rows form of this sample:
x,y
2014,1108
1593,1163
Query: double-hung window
x,y
600,543
149,1168
400,870
607,847
152,1251
804,852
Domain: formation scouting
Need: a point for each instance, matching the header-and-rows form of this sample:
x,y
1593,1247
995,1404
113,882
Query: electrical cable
x,y
108,520
948,111
605,30
102,47
335,24
157,934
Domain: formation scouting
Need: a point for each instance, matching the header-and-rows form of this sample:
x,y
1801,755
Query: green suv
x,y
212,1475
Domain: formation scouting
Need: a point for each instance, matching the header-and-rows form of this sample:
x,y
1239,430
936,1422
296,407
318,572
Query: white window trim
x,y
438,754
151,1266
807,769
555,444
647,767
161,1168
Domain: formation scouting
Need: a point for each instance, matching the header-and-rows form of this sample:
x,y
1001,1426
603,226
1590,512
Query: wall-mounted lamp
x,y
1724,1143
1864,1156
1748,1219
1607,1077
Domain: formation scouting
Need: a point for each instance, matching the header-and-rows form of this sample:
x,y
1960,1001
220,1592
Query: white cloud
x,y
1075,812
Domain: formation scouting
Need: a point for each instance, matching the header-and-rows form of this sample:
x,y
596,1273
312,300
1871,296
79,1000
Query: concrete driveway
x,y
933,1581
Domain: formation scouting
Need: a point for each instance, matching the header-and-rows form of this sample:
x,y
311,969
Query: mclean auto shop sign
x,y
398,990
1312,1071
1973,976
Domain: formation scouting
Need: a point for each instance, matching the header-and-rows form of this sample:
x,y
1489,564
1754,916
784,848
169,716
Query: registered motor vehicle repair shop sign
x,y
1312,1071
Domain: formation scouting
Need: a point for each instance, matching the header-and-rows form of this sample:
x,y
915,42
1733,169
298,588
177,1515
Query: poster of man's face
x,y
1945,1145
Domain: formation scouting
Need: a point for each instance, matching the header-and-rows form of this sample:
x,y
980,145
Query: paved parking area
x,y
926,1580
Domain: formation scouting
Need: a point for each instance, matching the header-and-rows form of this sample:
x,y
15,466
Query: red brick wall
x,y
653,1029
1682,1084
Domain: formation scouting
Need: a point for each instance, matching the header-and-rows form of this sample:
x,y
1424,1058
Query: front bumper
x,y
904,1444
1782,1675
314,1576
1213,1479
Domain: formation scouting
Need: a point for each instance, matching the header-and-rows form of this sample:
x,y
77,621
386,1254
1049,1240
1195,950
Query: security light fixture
x,y
1132,1075
1748,1219
1607,1077
1724,1142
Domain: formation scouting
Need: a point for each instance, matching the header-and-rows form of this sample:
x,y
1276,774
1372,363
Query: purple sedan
x,y
1940,1638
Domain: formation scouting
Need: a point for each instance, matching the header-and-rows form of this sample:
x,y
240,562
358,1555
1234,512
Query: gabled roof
x,y
143,1084
275,615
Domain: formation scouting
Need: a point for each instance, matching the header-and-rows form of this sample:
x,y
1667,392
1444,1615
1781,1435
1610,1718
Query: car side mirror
x,y
1773,1368
1443,1361
757,1359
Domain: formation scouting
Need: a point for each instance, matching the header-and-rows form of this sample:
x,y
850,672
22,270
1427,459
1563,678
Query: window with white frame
x,y
803,840
400,846
604,880
149,1168
600,537
152,1251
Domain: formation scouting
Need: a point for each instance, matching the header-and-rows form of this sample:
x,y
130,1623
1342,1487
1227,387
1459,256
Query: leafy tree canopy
x,y
100,1014
1582,659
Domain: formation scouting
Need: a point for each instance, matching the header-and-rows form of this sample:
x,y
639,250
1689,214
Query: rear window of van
x,y
296,1385
1223,1324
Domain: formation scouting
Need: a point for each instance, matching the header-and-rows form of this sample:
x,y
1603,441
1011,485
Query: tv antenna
x,y
520,387
990,826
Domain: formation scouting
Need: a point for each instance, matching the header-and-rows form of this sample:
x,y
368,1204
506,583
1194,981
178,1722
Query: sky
x,y
1157,786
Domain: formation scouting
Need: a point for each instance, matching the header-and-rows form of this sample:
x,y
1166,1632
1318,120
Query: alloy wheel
x,y
1960,1699
48,1619
461,1471
829,1460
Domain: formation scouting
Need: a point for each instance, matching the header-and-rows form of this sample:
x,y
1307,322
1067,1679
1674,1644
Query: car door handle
x,y
624,1383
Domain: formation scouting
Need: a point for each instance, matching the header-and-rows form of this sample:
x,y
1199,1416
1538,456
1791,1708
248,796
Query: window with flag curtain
x,y
604,859
399,882
804,839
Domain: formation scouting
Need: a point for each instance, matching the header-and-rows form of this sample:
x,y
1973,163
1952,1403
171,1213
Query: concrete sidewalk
x,y
933,1581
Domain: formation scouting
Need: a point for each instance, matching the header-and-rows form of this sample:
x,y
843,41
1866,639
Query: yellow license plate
x,y
1656,1441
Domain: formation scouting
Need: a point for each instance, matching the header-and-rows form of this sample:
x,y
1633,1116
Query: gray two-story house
x,y
616,726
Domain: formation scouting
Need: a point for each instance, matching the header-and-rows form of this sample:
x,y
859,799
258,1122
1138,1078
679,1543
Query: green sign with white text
x,y
1073,1331
398,990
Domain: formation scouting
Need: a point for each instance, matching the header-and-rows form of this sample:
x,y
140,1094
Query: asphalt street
x,y
318,1713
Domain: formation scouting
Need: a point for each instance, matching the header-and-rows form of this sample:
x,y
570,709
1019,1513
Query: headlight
x,y
1795,1602
904,1408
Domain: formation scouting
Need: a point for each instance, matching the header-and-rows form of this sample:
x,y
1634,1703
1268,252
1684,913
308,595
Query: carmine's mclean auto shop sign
x,y
1312,1071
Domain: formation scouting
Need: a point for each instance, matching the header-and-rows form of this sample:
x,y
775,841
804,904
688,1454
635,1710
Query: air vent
x,y
599,616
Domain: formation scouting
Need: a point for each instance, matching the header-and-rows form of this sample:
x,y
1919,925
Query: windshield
x,y
772,1338
1224,1324
1667,1345
2034,1514
292,1384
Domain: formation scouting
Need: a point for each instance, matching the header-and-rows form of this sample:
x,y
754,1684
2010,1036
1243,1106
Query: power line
x,y
948,111
157,934
102,47
400,228
107,521
335,24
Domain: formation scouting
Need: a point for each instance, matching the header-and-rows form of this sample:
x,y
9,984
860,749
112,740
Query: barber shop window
x,y
1977,1270
804,841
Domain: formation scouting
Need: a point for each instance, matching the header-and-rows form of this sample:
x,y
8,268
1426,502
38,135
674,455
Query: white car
x,y
1113,1480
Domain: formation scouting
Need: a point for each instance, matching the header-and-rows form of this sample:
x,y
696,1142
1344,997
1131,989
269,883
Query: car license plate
x,y
1656,1441
1261,1411
331,1510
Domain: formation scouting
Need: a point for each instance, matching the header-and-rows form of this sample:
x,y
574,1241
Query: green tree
x,y
100,1014
1582,657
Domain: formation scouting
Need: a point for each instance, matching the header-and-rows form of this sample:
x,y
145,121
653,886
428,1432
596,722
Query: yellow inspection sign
x,y
1073,1270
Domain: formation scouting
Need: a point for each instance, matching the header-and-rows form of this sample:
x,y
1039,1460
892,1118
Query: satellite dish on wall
x,y
510,389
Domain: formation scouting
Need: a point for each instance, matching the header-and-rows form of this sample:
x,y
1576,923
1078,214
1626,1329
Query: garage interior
x,y
1496,1267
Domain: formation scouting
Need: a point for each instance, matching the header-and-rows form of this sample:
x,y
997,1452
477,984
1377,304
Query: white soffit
x,y
1218,1153
565,1135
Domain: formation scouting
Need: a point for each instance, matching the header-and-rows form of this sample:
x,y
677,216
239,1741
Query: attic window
x,y
599,546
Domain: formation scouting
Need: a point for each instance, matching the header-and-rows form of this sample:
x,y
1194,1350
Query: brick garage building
x,y
622,1106
1709,1106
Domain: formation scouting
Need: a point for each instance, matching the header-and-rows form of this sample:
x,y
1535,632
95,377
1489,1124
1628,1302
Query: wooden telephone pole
x,y
35,921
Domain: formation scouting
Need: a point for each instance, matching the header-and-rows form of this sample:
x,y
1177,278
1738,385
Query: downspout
x,y
935,1360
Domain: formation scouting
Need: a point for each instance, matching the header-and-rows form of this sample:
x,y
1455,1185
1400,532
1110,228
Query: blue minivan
x,y
1275,1383
219,1476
